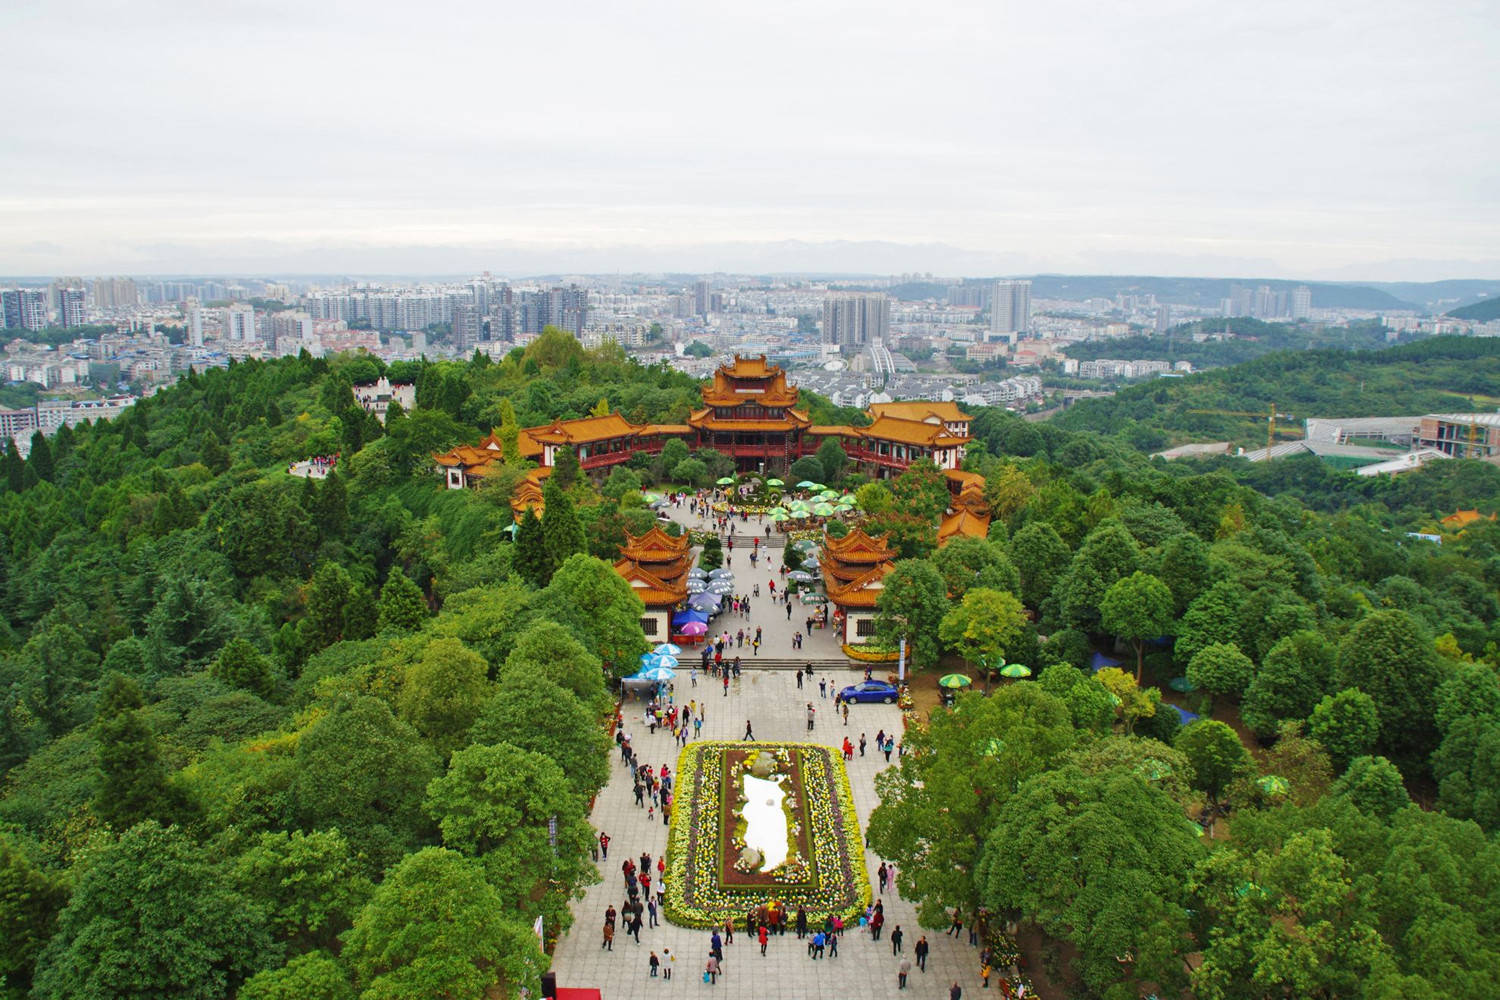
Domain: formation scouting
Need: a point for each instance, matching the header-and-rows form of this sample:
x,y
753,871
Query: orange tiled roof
x,y
652,430
920,409
584,430
650,588
857,546
863,591
965,479
654,546
1464,518
917,432
467,455
528,446
833,430
963,524
748,367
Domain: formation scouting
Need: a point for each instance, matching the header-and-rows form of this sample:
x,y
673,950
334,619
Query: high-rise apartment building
x,y
116,293
24,308
1301,302
195,327
1010,310
72,307
853,320
702,298
291,330
468,327
239,323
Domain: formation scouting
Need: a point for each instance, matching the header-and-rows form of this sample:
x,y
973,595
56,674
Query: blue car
x,y
870,691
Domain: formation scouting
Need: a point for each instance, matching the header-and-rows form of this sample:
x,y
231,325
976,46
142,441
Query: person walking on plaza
x,y
957,927
764,936
810,715
921,951
896,937
749,737
604,845
956,992
877,921
609,935
846,713
822,688
881,874
711,971
654,963
861,744
833,945
801,923
903,968
668,960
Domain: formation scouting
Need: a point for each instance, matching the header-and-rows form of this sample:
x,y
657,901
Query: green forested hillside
x,y
1479,312
270,737
1438,374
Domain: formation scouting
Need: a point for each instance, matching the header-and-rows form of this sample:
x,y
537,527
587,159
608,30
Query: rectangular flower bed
x,y
714,873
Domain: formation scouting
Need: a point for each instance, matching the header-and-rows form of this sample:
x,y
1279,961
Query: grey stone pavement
x,y
770,700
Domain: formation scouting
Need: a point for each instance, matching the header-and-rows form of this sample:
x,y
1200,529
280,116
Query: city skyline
x,y
1166,138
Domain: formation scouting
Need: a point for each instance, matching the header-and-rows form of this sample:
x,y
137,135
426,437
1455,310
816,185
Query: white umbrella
x,y
698,573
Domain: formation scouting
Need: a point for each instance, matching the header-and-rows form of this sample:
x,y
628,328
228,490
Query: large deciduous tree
x,y
983,626
517,813
601,609
911,606
975,562
441,693
1220,669
1345,724
1040,556
361,769
1137,608
1096,859
437,928
535,714
155,918
1216,754
1389,656
921,491
937,807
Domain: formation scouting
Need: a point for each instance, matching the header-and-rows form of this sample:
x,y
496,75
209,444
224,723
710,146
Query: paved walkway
x,y
777,629
864,970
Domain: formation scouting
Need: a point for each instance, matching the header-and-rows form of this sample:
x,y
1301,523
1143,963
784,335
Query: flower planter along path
x,y
708,878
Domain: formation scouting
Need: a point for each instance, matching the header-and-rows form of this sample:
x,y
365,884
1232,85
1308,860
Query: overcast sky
x,y
1296,138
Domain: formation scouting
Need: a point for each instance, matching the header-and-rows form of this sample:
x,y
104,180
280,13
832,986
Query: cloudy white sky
x,y
1309,138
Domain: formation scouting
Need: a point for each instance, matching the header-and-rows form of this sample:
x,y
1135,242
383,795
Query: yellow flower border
x,y
828,840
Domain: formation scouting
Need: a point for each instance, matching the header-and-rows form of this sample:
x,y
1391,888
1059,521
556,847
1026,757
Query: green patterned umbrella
x,y
1015,670
1181,684
780,516
955,681
823,509
774,482
805,484
799,514
776,510
726,481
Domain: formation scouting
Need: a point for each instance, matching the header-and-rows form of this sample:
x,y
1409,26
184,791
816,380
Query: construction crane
x,y
1270,416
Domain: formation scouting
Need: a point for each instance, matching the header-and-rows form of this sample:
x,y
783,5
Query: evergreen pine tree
x,y
565,470
402,607
273,413
531,557
330,509
134,784
215,457
562,535
40,460
240,666
15,467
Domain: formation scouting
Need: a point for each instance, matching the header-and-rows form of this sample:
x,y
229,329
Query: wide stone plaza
x,y
776,709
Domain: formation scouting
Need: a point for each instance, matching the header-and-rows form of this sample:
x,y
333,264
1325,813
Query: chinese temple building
x,y
853,568
656,565
902,433
750,414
